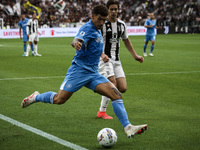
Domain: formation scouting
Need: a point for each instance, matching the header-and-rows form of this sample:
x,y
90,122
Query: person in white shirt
x,y
110,65
32,34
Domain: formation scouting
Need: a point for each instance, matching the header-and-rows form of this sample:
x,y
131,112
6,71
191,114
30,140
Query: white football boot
x,y
151,54
145,54
29,100
132,130
38,55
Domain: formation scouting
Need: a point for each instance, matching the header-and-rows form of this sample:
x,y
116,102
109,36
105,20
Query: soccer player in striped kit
x,y
110,65
32,28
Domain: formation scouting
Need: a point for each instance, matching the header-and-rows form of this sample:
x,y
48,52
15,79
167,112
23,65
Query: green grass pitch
x,y
163,92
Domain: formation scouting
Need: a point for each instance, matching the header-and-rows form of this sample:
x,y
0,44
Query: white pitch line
x,y
41,133
160,73
32,78
129,74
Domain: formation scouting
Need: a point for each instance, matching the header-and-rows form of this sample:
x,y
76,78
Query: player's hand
x,y
27,35
78,45
140,59
39,33
105,58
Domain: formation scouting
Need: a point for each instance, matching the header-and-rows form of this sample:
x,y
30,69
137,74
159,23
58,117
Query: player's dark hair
x,y
112,2
100,9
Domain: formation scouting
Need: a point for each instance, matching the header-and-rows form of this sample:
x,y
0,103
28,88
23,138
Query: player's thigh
x,y
121,84
120,76
109,90
62,96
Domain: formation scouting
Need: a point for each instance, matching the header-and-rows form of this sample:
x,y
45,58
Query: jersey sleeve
x,y
124,34
146,23
84,34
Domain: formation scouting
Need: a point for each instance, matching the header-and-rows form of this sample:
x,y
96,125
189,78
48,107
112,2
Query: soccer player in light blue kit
x,y
84,72
150,24
22,26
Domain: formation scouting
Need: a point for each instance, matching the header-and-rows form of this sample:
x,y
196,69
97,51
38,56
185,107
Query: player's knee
x,y
122,90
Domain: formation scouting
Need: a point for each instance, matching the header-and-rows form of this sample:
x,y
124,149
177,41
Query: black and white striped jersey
x,y
112,32
32,26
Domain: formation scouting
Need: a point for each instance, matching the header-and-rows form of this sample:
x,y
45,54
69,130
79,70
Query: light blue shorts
x,y
77,77
150,38
25,38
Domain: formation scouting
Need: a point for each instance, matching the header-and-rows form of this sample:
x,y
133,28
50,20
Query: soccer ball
x,y
107,137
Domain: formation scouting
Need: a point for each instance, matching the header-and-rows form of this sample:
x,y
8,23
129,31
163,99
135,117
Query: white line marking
x,y
41,133
129,74
160,73
33,78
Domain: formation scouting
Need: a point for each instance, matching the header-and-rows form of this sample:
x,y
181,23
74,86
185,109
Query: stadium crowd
x,y
178,13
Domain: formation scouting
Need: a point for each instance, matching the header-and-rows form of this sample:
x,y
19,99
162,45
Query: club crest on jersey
x,y
109,30
108,25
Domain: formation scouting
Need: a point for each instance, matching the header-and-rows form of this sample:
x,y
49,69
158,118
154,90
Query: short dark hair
x,y
112,2
100,9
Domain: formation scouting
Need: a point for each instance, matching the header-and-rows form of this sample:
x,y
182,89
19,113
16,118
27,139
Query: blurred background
x,y
181,15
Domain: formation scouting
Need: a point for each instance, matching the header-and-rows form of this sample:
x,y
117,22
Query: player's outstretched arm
x,y
129,46
77,44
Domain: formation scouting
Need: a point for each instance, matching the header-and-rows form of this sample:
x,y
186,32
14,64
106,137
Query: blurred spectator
x,y
183,14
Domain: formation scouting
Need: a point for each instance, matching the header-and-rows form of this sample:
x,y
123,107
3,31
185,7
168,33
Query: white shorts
x,y
33,37
111,68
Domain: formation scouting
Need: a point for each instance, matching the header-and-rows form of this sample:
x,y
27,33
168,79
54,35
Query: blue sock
x,y
152,47
120,112
46,97
145,46
32,48
24,47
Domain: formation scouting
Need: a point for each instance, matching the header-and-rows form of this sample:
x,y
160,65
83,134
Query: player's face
x,y
113,11
34,15
98,20
23,17
151,16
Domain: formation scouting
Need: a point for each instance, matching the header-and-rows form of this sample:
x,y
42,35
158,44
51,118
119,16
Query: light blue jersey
x,y
150,31
84,68
92,47
22,24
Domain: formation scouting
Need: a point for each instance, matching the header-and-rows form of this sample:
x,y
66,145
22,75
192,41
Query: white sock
x,y
28,49
35,49
104,103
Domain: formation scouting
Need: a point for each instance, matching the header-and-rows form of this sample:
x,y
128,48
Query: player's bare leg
x,y
121,84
